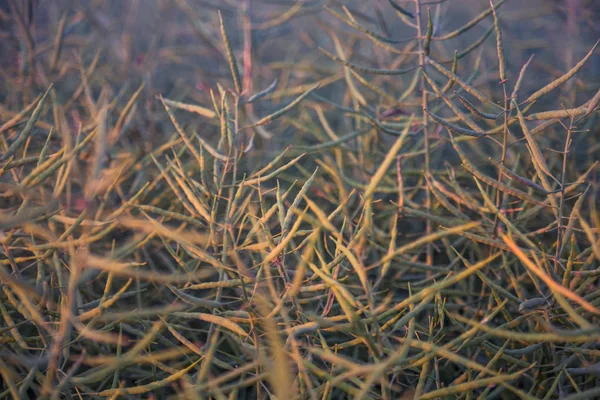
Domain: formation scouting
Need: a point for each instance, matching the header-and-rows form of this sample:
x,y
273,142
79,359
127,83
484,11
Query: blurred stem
x,y
429,258
499,194
559,235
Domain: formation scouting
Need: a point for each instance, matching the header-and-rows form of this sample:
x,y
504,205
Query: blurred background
x,y
175,48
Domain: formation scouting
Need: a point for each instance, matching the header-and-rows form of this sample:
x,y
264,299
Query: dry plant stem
x,y
559,231
503,80
425,123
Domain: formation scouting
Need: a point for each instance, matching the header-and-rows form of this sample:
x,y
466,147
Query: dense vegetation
x,y
299,199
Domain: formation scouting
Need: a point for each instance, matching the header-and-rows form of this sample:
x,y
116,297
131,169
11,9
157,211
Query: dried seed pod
x,y
533,304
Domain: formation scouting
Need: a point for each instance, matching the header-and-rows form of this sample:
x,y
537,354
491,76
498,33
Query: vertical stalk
x,y
500,194
424,121
559,236
503,79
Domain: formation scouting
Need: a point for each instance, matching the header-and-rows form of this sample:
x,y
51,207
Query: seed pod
x,y
532,304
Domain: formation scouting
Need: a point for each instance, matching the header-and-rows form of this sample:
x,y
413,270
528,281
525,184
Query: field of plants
x,y
299,199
